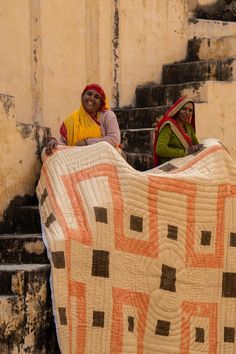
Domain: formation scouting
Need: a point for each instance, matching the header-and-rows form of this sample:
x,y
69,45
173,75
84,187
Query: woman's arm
x,y
53,142
109,128
163,147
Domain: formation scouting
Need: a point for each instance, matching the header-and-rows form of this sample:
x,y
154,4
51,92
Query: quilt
x,y
141,262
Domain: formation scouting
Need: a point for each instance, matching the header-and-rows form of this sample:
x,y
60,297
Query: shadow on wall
x,y
224,10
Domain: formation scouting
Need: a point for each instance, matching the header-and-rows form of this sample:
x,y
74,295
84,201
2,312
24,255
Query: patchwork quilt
x,y
142,262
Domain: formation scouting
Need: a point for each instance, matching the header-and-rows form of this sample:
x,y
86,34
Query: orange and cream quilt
x,y
142,262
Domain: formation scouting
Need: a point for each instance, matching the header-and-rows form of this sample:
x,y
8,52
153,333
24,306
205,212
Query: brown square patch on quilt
x,y
229,285
229,334
62,315
51,218
136,223
205,238
43,196
98,318
100,264
58,259
172,232
162,328
232,242
199,335
168,278
101,214
167,167
130,323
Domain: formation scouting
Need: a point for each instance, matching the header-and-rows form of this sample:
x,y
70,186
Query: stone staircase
x,y
26,320
209,70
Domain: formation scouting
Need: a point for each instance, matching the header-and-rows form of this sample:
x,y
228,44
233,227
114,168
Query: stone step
x,y
221,69
16,279
140,161
154,94
26,319
211,48
216,10
21,219
137,140
22,248
139,118
199,28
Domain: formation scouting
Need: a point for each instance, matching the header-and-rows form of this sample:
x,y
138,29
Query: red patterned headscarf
x,y
169,115
100,92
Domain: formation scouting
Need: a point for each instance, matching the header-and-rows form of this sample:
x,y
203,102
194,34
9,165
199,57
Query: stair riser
x,y
214,48
26,320
150,96
22,250
21,220
206,28
216,10
138,118
222,70
194,90
140,161
17,282
137,141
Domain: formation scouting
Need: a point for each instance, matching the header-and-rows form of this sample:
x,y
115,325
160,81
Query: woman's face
x,y
91,101
186,112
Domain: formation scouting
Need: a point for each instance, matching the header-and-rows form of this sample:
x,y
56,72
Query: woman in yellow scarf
x,y
91,123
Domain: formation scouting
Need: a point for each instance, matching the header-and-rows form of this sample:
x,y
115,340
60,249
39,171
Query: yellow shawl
x,y
80,126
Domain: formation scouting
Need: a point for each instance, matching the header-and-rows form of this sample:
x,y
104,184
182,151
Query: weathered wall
x,y
147,29
19,160
216,119
55,47
15,55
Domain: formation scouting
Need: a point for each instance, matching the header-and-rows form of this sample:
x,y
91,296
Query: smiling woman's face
x,y
91,101
186,112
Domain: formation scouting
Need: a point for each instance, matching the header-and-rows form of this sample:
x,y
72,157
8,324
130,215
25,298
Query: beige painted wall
x,y
53,48
18,161
216,118
15,55
76,50
147,28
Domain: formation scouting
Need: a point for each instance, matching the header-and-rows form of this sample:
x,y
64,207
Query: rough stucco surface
x,y
26,318
84,42
15,56
216,118
20,145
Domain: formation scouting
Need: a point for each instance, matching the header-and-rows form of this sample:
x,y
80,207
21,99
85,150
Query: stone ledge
x,y
22,249
221,69
199,28
211,48
26,320
154,95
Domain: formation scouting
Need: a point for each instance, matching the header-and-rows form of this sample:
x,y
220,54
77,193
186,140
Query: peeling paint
x,y
36,132
8,103
115,42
